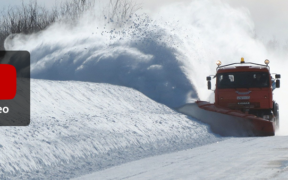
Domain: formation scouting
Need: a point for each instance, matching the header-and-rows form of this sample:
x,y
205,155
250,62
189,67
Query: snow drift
x,y
80,127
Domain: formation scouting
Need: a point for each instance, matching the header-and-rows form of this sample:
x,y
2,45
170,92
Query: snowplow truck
x,y
244,104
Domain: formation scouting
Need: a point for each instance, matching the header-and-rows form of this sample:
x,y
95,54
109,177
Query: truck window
x,y
243,80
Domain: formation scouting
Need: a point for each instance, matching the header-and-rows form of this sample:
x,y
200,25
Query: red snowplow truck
x,y
244,104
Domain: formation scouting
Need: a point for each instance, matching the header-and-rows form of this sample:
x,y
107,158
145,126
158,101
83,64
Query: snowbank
x,y
80,127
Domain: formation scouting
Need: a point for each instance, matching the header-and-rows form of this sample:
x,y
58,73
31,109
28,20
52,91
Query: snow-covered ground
x,y
81,127
235,158
78,127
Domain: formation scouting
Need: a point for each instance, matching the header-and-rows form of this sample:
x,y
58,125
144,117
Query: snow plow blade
x,y
227,122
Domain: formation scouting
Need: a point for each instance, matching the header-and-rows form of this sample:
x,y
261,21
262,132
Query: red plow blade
x,y
227,122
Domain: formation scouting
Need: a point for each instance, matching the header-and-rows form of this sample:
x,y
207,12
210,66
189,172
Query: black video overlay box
x,y
14,88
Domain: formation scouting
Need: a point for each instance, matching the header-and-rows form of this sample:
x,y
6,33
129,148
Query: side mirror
x,y
277,83
209,84
277,76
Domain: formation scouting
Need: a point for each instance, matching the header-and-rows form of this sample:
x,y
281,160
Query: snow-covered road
x,y
235,158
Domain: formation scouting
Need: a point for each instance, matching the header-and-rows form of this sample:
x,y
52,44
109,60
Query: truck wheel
x,y
276,113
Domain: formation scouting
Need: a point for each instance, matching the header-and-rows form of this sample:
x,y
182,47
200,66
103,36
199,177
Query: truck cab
x,y
246,87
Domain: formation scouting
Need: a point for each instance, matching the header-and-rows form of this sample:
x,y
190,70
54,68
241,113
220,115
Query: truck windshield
x,y
242,80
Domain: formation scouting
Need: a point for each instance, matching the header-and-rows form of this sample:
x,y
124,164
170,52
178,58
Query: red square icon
x,y
8,81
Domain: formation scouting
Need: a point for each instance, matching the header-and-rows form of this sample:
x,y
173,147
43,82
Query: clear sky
x,y
270,16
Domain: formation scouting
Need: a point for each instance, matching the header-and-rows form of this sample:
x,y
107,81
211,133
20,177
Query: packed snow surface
x,y
81,127
235,158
